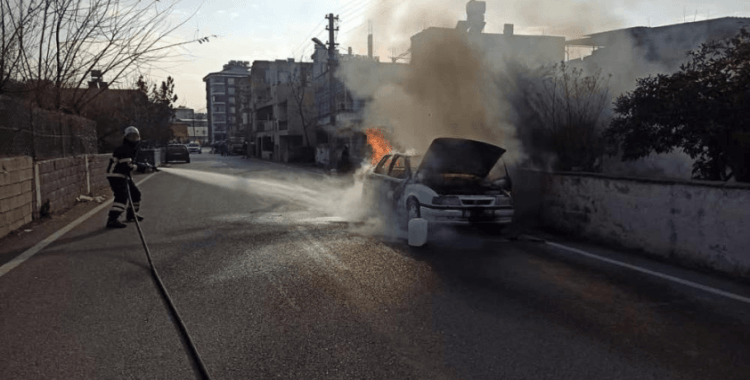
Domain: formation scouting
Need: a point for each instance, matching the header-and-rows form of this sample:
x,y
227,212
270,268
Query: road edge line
x,y
678,280
18,260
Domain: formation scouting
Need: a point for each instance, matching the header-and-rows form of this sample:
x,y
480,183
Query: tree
x,y
155,113
149,107
302,93
55,45
701,109
560,111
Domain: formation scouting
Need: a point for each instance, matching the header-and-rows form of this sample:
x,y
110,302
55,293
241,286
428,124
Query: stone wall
x,y
26,186
15,193
694,223
62,180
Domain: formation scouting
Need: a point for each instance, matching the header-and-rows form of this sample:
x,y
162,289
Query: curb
x,y
18,260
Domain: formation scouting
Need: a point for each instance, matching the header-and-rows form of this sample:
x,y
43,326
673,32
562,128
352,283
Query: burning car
x,y
450,184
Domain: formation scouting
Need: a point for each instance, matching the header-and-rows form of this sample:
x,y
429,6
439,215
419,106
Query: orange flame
x,y
380,146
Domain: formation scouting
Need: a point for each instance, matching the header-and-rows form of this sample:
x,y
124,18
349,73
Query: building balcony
x,y
269,125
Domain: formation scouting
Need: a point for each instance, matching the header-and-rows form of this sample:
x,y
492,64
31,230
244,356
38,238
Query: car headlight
x,y
450,200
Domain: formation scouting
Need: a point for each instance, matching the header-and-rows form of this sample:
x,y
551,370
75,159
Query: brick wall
x,y
16,193
62,180
98,171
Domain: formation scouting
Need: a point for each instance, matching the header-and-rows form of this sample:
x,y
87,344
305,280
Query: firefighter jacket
x,y
122,161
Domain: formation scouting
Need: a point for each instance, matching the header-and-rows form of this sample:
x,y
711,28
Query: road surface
x,y
274,280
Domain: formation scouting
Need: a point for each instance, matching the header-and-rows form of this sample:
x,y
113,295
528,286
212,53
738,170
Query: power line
x,y
378,3
341,9
354,16
364,5
308,36
307,48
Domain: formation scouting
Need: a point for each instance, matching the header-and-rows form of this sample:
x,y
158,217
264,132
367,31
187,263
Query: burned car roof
x,y
459,156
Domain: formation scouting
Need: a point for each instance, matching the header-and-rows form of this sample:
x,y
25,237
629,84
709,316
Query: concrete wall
x,y
694,223
15,193
25,186
62,180
43,134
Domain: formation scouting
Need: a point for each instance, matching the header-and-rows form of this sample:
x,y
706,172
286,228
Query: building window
x,y
217,89
219,108
232,110
231,100
217,80
230,80
231,90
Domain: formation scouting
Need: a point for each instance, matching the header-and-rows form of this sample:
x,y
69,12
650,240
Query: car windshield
x,y
498,171
194,145
414,162
176,148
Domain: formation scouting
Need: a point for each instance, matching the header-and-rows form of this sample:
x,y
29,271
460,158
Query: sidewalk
x,y
30,234
85,307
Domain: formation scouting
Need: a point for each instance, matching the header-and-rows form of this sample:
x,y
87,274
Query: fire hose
x,y
185,335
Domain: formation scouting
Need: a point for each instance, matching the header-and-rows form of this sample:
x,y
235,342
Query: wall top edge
x,y
662,181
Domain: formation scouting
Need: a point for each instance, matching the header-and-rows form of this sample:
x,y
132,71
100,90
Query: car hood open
x,y
459,156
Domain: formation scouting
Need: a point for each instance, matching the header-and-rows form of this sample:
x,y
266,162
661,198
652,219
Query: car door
x,y
394,182
374,184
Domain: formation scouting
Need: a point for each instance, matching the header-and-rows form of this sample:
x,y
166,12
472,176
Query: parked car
x,y
194,148
450,184
177,152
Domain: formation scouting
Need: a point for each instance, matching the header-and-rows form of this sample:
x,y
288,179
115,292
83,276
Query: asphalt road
x,y
274,280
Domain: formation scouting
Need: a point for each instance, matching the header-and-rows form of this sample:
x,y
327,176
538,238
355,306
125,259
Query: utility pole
x,y
331,28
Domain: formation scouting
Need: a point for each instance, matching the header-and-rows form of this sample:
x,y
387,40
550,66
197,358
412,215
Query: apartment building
x,y
195,124
640,51
341,126
281,109
529,49
222,100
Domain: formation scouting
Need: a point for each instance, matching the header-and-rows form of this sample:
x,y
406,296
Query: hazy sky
x,y
267,30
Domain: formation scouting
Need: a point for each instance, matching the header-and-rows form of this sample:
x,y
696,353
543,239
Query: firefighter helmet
x,y
132,134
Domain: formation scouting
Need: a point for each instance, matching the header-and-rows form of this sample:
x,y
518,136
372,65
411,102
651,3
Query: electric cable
x,y
163,291
341,9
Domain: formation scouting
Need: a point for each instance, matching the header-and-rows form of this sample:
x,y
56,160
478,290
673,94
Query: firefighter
x,y
121,164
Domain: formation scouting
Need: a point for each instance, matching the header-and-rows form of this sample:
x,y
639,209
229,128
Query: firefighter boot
x,y
115,223
131,216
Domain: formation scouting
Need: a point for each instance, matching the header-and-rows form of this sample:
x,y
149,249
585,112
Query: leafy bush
x,y
702,109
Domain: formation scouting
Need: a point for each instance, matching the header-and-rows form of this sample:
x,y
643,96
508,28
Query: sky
x,y
281,29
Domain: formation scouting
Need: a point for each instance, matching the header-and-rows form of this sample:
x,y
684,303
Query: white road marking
x,y
18,260
654,273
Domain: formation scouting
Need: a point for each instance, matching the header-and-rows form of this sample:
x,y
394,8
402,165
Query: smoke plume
x,y
448,91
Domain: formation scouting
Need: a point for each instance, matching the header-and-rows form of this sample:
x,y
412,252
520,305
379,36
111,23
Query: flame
x,y
380,146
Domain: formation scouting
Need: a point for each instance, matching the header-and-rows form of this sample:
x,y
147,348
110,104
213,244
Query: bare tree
x,y
54,45
568,107
302,92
